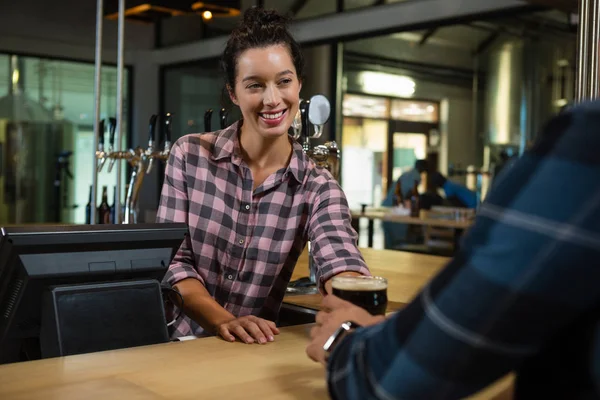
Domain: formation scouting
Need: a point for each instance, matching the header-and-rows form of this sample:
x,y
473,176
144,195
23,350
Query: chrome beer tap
x,y
151,136
101,155
316,111
143,162
112,127
164,154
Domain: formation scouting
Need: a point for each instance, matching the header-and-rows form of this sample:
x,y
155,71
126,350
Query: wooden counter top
x,y
207,368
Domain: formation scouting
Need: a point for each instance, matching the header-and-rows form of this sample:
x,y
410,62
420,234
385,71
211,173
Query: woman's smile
x,y
273,118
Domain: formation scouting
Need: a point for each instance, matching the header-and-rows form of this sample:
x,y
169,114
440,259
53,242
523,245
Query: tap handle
x,y
112,126
168,124
223,118
207,120
101,129
152,130
101,164
166,150
111,164
150,163
304,104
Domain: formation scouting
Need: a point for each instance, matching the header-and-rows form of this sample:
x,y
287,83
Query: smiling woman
x,y
264,69
267,91
251,197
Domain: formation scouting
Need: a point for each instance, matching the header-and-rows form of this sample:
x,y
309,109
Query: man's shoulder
x,y
571,135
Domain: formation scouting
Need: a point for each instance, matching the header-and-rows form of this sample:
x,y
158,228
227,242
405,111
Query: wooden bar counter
x,y
207,368
210,368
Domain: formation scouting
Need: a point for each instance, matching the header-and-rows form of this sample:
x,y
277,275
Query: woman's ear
x,y
232,95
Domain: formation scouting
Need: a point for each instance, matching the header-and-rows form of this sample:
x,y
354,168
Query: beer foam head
x,y
358,283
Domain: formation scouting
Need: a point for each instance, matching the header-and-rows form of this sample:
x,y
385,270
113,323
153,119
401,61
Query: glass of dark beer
x,y
368,292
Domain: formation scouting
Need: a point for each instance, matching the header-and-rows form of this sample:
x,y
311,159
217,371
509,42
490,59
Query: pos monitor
x,y
75,289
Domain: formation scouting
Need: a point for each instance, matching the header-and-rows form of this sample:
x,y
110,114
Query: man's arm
x,y
334,242
525,273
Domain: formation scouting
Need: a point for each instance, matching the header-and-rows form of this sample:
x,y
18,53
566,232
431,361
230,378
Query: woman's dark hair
x,y
259,28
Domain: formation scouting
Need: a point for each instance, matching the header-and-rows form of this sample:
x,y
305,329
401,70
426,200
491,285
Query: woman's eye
x,y
285,81
254,86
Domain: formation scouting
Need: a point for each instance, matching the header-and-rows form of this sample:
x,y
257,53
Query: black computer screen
x,y
32,259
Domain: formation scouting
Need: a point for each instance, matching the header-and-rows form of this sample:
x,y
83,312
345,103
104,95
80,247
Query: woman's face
x,y
267,90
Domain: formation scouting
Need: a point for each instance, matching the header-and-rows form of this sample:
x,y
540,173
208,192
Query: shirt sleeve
x,y
334,242
173,207
524,275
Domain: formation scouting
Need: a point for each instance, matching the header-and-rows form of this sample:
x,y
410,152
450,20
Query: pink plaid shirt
x,y
243,245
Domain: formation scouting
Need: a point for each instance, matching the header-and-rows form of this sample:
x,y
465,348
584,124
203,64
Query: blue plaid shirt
x,y
521,295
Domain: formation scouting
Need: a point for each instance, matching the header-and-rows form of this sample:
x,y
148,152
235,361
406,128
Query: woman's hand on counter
x,y
249,329
335,312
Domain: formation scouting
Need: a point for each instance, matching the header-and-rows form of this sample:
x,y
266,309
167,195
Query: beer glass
x,y
368,292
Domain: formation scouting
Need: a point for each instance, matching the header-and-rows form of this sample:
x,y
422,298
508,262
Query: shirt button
x,y
241,241
247,206
230,277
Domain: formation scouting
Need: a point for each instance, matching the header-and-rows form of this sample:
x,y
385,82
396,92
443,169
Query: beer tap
x,y
303,108
151,136
297,124
223,118
318,113
112,127
142,162
100,154
207,120
139,161
167,147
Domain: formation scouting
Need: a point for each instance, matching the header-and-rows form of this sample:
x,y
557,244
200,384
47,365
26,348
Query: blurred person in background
x,y
395,233
457,195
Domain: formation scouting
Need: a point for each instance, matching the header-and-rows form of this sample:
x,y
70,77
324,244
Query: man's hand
x,y
248,329
335,312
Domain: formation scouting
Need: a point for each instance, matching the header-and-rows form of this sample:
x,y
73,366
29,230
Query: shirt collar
x,y
298,161
227,145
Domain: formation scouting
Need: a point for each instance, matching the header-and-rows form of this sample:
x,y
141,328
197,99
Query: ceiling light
x,y
387,84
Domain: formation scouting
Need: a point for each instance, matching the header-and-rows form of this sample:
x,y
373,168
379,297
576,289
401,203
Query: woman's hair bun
x,y
258,17
259,28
